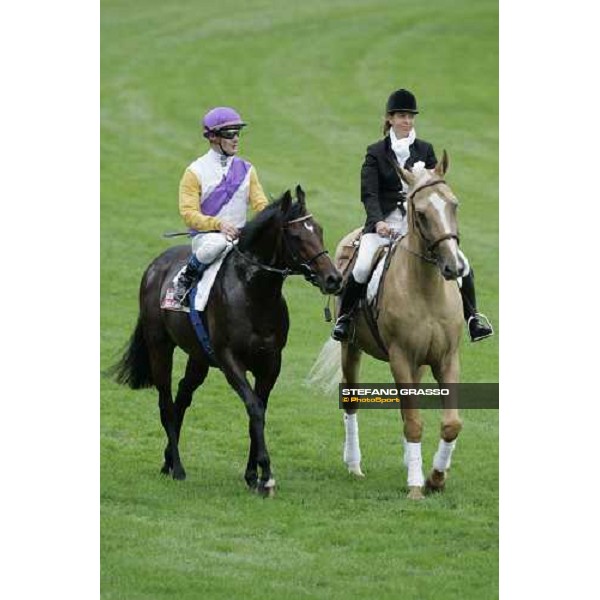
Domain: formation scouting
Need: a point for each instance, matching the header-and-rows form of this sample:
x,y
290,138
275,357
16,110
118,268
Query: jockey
x,y
385,202
214,194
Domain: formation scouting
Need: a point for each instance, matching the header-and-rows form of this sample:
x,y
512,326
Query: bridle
x,y
299,267
431,246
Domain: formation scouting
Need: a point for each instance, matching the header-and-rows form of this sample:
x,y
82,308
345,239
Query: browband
x,y
298,220
425,185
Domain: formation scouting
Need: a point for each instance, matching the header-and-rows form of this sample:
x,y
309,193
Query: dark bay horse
x,y
247,318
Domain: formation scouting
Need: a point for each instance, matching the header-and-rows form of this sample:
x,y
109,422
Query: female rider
x,y
384,199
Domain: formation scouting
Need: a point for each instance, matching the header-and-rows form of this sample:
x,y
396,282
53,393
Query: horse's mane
x,y
271,216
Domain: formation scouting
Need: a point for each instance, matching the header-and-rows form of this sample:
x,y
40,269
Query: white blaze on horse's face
x,y
450,257
440,205
309,226
436,211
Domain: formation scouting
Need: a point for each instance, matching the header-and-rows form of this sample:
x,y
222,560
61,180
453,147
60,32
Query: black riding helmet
x,y
401,101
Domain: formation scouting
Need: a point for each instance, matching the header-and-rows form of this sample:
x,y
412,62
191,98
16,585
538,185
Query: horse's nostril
x,y
332,282
449,273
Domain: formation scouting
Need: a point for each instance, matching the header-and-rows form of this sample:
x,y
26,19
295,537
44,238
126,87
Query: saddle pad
x,y
375,279
204,287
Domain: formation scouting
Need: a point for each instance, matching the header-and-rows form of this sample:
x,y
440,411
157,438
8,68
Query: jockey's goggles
x,y
228,133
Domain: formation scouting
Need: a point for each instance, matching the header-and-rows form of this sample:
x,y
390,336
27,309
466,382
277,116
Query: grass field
x,y
311,78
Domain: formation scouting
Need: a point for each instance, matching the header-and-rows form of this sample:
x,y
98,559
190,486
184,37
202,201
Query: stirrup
x,y
341,320
185,299
487,322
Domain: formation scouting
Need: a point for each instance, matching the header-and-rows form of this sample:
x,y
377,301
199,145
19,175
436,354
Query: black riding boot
x,y
478,325
189,277
352,293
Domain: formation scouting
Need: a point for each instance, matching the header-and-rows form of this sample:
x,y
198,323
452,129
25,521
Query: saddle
x,y
369,306
198,299
348,253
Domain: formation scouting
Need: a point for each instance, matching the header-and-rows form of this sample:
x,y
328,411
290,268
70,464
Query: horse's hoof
x,y
251,480
179,474
436,482
354,469
266,488
415,492
165,469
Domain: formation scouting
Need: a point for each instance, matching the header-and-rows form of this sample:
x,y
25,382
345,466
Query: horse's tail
x,y
134,367
326,372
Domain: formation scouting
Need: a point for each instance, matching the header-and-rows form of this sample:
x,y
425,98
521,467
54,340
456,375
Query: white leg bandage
x,y
443,456
414,461
351,445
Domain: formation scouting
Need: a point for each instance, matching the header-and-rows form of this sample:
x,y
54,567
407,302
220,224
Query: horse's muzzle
x,y
449,273
332,283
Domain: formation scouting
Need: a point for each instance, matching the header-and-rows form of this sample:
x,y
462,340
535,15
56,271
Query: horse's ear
x,y
301,196
286,202
443,164
405,174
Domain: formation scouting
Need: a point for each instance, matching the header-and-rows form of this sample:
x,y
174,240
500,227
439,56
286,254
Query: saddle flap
x,y
346,253
204,287
379,269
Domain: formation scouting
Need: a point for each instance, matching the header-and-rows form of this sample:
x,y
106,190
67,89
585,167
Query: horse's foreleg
x,y
266,375
404,373
235,375
195,374
447,372
351,355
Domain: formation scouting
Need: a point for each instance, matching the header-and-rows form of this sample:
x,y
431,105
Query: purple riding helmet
x,y
220,117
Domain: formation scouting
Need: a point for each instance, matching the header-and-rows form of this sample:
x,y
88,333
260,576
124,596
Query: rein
x,y
300,268
283,272
421,256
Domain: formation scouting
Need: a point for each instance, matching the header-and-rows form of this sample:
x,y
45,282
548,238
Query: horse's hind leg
x,y
195,374
161,360
413,424
351,355
447,372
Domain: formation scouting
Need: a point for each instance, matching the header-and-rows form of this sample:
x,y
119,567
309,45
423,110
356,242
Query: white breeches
x,y
209,246
369,243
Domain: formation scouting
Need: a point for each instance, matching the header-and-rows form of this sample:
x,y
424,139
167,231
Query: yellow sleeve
x,y
189,204
258,200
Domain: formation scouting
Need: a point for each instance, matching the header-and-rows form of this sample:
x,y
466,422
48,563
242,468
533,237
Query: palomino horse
x,y
420,322
247,318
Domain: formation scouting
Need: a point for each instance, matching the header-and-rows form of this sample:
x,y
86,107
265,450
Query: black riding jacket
x,y
381,188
